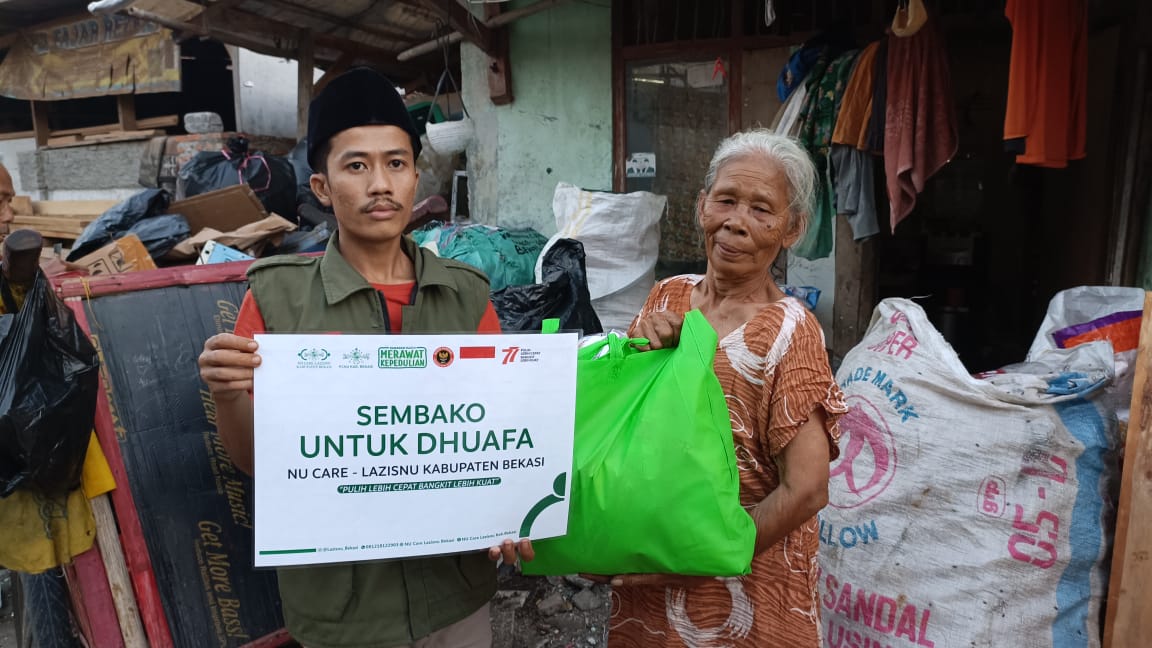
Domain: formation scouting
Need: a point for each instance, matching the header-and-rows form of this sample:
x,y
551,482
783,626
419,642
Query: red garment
x,y
920,119
249,321
1048,80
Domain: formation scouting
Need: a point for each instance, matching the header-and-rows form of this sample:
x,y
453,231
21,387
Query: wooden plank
x,y
71,207
461,20
22,205
51,222
499,63
305,67
760,101
103,138
17,135
63,235
119,581
148,123
1128,621
336,69
126,109
619,87
92,600
192,275
855,295
40,125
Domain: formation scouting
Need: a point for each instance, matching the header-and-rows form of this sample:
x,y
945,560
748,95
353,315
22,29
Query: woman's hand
x,y
662,329
652,580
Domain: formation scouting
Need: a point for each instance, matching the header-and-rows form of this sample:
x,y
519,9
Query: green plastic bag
x,y
655,486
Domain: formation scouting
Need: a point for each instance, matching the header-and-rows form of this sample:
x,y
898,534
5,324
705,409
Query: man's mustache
x,y
382,204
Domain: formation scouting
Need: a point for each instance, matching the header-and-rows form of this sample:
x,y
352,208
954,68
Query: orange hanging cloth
x,y
1047,81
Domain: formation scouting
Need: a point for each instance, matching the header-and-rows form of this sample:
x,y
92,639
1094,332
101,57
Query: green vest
x,y
388,602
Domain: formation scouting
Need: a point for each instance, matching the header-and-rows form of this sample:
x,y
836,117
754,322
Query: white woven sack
x,y
966,512
617,310
620,233
1092,307
621,238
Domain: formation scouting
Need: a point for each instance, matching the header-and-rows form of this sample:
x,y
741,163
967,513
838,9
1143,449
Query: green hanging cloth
x,y
819,120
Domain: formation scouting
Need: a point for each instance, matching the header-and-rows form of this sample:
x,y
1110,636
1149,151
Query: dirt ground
x,y
552,612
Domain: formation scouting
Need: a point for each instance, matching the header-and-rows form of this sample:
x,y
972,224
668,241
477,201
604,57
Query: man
x,y
7,193
11,295
363,147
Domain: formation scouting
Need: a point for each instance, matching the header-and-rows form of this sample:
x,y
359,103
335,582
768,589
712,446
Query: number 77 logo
x,y
510,354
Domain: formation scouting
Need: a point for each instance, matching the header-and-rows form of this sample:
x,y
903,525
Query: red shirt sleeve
x,y
249,321
490,322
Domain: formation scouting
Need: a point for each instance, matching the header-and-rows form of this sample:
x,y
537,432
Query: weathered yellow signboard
x,y
90,57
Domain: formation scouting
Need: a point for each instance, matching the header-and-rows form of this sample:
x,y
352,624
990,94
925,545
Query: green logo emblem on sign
x,y
314,355
356,356
403,357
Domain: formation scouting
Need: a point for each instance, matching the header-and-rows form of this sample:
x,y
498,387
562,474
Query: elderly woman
x,y
782,399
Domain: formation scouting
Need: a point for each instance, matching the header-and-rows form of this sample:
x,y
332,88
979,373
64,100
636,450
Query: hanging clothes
x,y
819,121
856,105
1047,81
854,186
876,122
800,64
787,120
850,157
920,134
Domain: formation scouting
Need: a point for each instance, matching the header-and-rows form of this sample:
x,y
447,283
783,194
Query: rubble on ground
x,y
550,612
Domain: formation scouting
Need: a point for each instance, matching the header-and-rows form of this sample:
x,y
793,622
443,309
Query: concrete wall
x,y
265,93
10,152
95,172
559,128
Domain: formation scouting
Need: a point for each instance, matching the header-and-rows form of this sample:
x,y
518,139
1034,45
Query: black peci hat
x,y
359,97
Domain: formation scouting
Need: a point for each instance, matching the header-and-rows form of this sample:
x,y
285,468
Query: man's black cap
x,y
359,97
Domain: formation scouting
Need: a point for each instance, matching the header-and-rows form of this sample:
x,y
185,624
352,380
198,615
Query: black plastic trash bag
x,y
49,375
305,199
272,178
563,295
119,220
160,234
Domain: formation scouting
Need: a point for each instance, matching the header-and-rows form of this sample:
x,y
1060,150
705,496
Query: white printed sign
x,y
371,447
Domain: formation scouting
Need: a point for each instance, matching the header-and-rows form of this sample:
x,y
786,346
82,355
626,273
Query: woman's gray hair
x,y
798,167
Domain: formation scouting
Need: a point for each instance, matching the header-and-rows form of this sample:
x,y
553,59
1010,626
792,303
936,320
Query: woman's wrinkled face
x,y
746,217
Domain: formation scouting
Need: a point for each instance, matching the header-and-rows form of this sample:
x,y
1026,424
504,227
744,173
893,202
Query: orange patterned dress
x,y
775,373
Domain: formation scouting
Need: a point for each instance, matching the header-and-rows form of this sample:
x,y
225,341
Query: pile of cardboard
x,y
227,225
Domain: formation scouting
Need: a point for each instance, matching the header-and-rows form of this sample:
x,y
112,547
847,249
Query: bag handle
x,y
700,335
439,85
618,347
244,165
